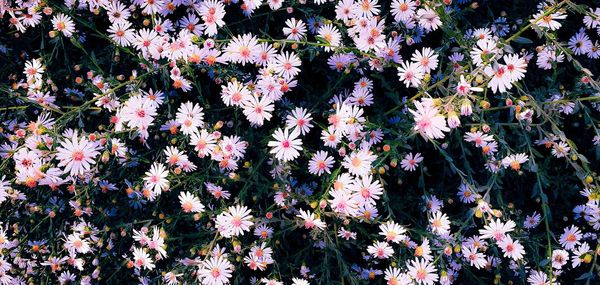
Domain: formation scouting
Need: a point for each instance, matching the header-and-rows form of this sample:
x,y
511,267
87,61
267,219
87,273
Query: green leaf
x,y
587,275
522,40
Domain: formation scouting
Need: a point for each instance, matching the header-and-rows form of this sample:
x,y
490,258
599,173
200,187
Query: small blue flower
x,y
393,120
314,24
500,27
305,189
74,92
111,212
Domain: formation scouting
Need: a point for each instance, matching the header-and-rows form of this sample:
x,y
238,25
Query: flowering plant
x,y
293,142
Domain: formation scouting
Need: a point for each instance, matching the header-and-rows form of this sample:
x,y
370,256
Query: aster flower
x,y
515,67
266,54
500,80
560,149
342,202
485,51
77,155
570,238
532,221
344,10
392,231
548,21
121,33
380,250
299,281
512,249
215,271
331,35
286,64
192,24
410,161
299,118
559,258
235,221
497,229
422,271
428,19
361,97
514,161
34,69
428,121
320,163
287,145
242,49
117,12
233,146
146,41
366,8
141,259
476,259
171,278
310,221
547,56
138,112
275,4
266,281
235,94
4,186
403,10
366,190
439,223
258,109
204,143
580,254
294,30
190,117
359,163
64,24
156,178
411,74
151,6
74,243
478,137
426,58
482,33
466,194
580,43
217,191
190,203
212,13
537,277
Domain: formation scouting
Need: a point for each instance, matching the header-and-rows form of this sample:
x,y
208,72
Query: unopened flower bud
x,y
105,156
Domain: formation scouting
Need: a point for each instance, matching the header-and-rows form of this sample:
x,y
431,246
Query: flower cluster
x,y
257,142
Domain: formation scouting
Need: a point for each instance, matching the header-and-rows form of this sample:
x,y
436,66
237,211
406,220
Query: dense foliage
x,y
299,142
